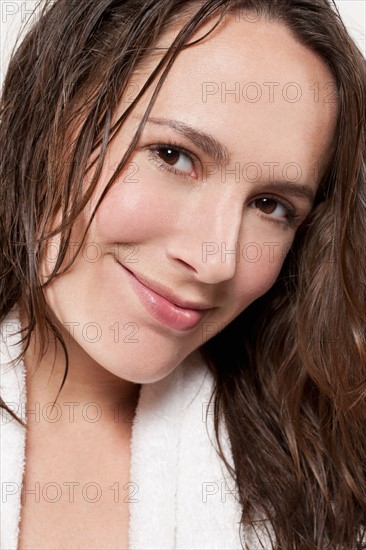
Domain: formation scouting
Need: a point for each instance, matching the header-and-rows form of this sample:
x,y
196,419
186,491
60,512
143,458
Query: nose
x,y
205,238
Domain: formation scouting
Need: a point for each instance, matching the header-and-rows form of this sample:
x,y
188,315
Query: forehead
x,y
254,87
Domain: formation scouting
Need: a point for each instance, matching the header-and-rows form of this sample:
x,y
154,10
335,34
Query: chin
x,y
145,371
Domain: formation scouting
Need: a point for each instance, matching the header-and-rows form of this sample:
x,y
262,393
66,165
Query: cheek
x,y
258,270
133,211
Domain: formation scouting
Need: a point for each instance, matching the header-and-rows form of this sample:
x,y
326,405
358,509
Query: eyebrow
x,y
220,154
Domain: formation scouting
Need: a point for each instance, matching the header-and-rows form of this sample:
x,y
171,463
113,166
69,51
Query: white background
x,y
14,15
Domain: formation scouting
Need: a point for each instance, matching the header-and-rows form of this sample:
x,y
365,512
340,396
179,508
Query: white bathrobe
x,y
182,498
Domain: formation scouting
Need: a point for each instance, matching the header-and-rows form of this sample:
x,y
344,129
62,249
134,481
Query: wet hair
x,y
290,370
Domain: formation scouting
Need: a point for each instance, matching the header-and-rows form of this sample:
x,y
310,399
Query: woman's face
x,y
205,212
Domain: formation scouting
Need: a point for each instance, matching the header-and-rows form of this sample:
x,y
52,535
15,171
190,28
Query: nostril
x,y
187,265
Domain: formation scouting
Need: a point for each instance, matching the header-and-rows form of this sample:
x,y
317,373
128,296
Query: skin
x,y
156,223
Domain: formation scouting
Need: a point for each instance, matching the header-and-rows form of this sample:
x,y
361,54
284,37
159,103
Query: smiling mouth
x,y
164,309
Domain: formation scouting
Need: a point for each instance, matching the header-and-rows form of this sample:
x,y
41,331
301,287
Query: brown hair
x,y
293,397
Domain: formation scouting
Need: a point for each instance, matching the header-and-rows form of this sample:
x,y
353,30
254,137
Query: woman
x,y
183,211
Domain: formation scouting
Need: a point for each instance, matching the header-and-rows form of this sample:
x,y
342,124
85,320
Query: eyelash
x,y
292,216
165,167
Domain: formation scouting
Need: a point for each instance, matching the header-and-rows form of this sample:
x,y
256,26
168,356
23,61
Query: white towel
x,y
183,499
12,434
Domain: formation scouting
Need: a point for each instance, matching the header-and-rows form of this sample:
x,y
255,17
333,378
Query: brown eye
x,y
274,210
170,156
172,159
267,205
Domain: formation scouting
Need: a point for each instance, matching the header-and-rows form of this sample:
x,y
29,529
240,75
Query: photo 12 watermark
x,y
70,412
53,492
268,92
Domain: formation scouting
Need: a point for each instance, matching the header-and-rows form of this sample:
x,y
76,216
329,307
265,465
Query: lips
x,y
164,309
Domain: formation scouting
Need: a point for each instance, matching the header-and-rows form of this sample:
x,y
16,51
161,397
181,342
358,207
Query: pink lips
x,y
162,309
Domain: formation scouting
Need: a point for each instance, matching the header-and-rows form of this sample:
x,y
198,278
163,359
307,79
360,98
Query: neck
x,y
89,389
